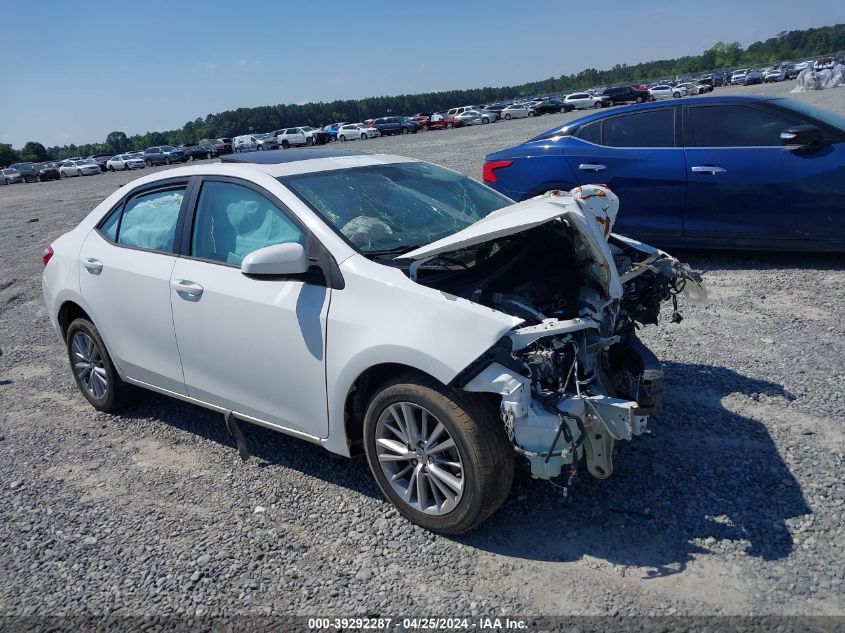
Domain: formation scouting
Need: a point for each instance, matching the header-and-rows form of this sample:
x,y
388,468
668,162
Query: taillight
x,y
47,255
489,171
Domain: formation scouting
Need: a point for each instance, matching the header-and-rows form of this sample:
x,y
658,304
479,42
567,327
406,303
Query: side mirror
x,y
802,135
278,259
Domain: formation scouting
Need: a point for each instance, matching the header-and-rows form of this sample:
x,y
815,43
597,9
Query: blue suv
x,y
715,172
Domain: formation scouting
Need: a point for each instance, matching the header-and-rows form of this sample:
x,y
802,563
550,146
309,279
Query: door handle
x,y
186,287
93,266
711,170
591,167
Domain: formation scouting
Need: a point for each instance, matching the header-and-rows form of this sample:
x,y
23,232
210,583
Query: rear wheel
x,y
167,161
439,455
404,130
449,126
531,113
341,137
92,367
424,128
363,137
508,116
285,144
639,99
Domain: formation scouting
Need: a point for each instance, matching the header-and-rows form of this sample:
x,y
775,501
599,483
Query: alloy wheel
x,y
419,458
88,365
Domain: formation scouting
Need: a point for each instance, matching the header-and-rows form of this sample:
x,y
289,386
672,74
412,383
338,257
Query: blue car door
x,y
746,185
639,156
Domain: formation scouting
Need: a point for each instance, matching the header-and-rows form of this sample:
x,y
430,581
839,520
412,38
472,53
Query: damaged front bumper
x,y
551,433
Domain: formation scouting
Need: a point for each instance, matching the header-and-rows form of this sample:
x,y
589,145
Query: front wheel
x,y
92,367
404,130
286,144
638,99
507,117
363,137
341,138
440,455
449,126
531,113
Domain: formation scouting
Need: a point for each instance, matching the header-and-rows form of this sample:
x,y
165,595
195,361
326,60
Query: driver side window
x,y
232,221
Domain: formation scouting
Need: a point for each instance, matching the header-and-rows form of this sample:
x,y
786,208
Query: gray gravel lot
x,y
734,504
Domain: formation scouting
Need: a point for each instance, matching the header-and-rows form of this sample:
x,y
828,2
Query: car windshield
x,y
167,148
264,137
825,116
391,209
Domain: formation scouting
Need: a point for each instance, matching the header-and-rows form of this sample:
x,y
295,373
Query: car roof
x,y
277,157
654,105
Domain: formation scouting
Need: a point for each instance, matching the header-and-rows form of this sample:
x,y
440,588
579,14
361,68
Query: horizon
x,y
362,55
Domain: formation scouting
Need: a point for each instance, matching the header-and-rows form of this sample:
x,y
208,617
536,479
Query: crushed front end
x,y
573,377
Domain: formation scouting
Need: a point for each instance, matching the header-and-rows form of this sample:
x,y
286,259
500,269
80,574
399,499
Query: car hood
x,y
590,210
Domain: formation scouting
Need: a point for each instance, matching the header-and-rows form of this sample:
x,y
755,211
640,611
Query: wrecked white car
x,y
374,304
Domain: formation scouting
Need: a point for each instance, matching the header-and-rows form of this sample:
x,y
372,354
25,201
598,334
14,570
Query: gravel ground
x,y
733,505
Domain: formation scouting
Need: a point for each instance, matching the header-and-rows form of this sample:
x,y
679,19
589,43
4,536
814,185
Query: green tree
x,y
117,142
8,155
34,152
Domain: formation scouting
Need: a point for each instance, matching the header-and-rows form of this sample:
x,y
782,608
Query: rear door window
x,y
147,221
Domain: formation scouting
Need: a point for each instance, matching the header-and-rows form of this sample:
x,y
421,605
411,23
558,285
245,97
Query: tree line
x,y
786,45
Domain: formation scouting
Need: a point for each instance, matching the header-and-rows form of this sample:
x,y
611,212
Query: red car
x,y
424,120
445,124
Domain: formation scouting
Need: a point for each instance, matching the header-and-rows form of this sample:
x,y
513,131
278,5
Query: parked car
x,y
517,111
626,94
796,69
10,176
753,78
548,106
390,125
219,146
331,130
292,137
733,174
46,171
664,91
452,112
196,151
445,123
123,162
687,88
705,79
722,78
83,167
354,131
423,120
254,142
155,287
469,117
584,100
101,159
163,155
704,88
778,73
317,136
738,77
26,171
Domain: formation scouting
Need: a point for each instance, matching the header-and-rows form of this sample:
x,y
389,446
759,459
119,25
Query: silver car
x,y
10,176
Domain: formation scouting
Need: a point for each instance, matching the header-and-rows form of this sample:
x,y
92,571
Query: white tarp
x,y
810,79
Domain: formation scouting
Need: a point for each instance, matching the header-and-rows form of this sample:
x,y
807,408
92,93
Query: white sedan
x,y
584,100
517,111
84,167
10,176
354,131
664,91
356,302
123,162
688,88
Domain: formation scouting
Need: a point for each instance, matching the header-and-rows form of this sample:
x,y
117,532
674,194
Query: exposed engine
x,y
573,377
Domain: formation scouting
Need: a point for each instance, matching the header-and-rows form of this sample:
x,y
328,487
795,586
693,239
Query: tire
x,y
341,138
62,175
562,110
208,156
309,141
639,99
363,137
507,117
449,126
285,144
531,113
424,128
481,449
100,368
485,120
260,148
404,130
167,161
676,95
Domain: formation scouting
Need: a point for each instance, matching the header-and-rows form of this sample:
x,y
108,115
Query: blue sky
x,y
73,72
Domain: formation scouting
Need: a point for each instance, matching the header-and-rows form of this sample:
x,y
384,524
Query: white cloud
x,y
211,66
242,62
